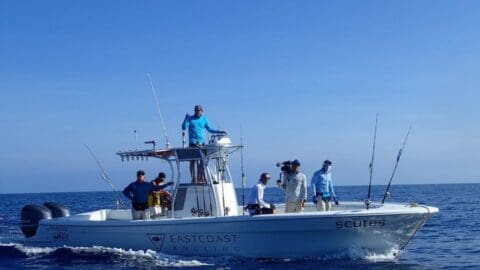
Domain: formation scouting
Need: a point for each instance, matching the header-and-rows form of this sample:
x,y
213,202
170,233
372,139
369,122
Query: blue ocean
x,y
450,240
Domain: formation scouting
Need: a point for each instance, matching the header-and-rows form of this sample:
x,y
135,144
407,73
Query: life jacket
x,y
154,199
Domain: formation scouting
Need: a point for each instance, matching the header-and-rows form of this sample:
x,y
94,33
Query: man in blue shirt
x,y
196,137
323,190
138,192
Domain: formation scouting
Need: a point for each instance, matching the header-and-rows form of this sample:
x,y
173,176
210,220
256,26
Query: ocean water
x,y
450,240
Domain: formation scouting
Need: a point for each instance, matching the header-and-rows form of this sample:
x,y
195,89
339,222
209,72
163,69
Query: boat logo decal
x,y
349,224
196,243
157,240
58,233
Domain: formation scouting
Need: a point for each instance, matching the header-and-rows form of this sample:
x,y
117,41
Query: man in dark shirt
x,y
138,192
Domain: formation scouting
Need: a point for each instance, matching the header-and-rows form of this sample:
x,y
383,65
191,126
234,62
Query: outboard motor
x,y
57,209
31,216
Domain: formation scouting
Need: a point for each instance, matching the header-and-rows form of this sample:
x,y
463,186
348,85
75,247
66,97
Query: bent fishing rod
x,y
367,200
105,177
399,155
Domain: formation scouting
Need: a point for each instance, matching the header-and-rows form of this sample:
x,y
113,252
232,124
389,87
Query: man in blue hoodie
x,y
138,192
196,137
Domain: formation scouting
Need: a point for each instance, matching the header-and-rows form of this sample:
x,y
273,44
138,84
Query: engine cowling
x,y
58,210
31,216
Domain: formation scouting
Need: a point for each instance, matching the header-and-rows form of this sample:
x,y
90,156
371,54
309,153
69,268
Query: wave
x,y
95,255
98,256
20,250
391,255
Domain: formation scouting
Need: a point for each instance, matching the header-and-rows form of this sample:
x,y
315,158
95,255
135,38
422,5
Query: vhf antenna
x,y
158,110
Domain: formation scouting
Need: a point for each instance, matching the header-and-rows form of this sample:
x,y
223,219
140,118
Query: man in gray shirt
x,y
295,185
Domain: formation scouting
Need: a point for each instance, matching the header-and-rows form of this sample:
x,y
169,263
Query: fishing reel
x,y
368,202
200,212
203,213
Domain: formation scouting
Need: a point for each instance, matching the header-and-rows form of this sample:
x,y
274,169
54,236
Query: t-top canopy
x,y
182,154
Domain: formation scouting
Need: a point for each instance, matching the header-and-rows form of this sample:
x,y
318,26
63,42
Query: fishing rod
x,y
210,194
209,176
399,155
136,140
159,112
368,201
105,177
220,177
205,212
184,142
197,211
244,178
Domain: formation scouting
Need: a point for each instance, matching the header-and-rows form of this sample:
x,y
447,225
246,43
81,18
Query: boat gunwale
x,y
71,221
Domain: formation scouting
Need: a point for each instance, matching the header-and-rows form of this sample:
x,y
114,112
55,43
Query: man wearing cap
x,y
323,190
196,137
255,203
295,186
154,198
138,192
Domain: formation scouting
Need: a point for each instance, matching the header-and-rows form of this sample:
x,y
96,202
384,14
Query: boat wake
x,y
98,255
92,256
391,255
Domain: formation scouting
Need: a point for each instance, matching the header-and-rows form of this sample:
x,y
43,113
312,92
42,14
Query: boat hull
x,y
314,234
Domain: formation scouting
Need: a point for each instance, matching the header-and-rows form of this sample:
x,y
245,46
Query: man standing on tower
x,y
196,138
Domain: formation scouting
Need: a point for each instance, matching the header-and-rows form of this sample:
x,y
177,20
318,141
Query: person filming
x,y
295,185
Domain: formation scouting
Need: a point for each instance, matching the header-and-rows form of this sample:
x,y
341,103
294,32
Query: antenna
x,y
159,112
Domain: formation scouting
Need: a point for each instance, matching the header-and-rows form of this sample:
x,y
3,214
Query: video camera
x,y
285,166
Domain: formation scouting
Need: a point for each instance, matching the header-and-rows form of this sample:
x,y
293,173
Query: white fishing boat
x,y
207,220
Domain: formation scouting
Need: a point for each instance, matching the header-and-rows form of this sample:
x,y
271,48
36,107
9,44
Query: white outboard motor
x,y
57,209
31,216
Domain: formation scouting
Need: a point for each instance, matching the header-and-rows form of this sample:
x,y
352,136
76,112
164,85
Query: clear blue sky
x,y
303,79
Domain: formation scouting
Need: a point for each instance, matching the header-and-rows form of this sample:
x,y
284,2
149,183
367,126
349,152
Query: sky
x,y
292,79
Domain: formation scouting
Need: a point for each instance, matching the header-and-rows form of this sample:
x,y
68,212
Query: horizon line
x,y
415,184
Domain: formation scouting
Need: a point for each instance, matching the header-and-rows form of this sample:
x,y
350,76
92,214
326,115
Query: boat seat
x,y
119,214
